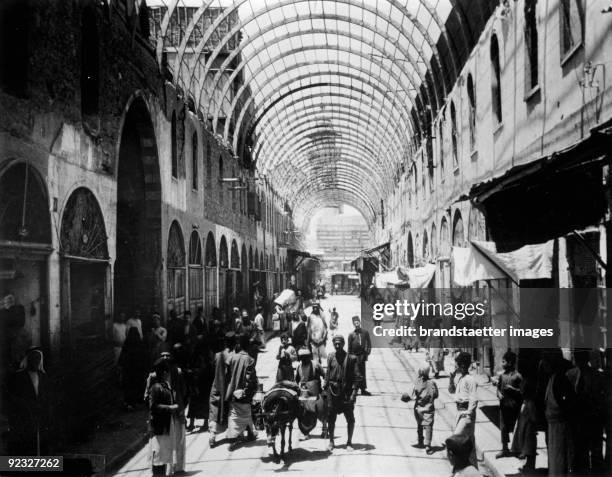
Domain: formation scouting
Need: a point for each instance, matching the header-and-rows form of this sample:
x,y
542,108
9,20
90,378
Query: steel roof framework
x,y
357,126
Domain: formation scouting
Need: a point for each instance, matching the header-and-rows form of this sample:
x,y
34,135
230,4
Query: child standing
x,y
425,392
286,356
510,399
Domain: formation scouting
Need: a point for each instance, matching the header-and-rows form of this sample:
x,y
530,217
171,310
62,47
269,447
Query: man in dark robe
x,y
359,344
241,386
218,406
300,333
343,380
29,407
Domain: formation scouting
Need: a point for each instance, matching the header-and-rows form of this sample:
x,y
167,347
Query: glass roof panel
x,y
323,88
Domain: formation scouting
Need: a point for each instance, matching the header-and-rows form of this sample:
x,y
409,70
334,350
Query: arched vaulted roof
x,y
327,97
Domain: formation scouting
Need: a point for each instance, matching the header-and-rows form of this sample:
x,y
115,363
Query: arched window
x,y
174,146
410,251
194,161
434,242
454,138
176,268
196,272
445,245
83,229
572,26
531,45
210,279
90,66
423,175
24,207
471,111
458,234
223,253
495,81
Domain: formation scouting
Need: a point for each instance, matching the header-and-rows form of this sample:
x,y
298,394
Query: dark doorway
x,y
138,258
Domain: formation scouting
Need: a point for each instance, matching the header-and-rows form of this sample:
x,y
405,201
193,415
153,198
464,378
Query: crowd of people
x,y
202,370
569,401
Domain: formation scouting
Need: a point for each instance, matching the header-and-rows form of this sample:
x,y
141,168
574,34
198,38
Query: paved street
x,y
384,433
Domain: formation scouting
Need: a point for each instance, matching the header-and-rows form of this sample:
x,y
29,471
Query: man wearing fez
x,y
360,345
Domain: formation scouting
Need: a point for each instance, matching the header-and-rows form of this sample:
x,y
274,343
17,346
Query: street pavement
x,y
384,434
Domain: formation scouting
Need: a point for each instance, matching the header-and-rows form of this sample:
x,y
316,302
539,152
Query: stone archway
x,y
25,244
84,272
196,273
458,233
138,263
175,261
210,285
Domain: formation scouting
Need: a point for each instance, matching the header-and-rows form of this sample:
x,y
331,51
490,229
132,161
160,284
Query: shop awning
x,y
481,261
589,151
395,277
420,277
298,256
382,253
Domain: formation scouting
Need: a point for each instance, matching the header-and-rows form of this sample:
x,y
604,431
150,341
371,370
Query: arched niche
x,y
175,260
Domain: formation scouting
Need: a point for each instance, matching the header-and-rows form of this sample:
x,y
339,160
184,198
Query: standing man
x,y
342,382
317,334
333,320
466,399
258,324
29,415
510,400
360,345
242,384
218,408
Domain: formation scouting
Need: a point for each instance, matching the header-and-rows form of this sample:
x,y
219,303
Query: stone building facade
x,y
517,153
115,196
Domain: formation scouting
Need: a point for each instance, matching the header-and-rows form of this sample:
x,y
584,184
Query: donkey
x,y
280,407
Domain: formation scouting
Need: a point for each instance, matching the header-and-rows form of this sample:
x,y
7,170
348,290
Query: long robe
x,y
29,414
218,408
242,376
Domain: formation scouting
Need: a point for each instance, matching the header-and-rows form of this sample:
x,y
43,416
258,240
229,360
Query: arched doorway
x,y
25,244
84,274
234,276
434,242
445,251
223,276
410,251
210,295
138,265
196,273
458,234
85,315
175,260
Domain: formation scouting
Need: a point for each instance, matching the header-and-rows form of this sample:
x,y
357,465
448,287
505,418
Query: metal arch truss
x,y
320,144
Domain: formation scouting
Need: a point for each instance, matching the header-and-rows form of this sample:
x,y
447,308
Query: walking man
x,y
241,387
317,334
360,345
342,382
466,399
